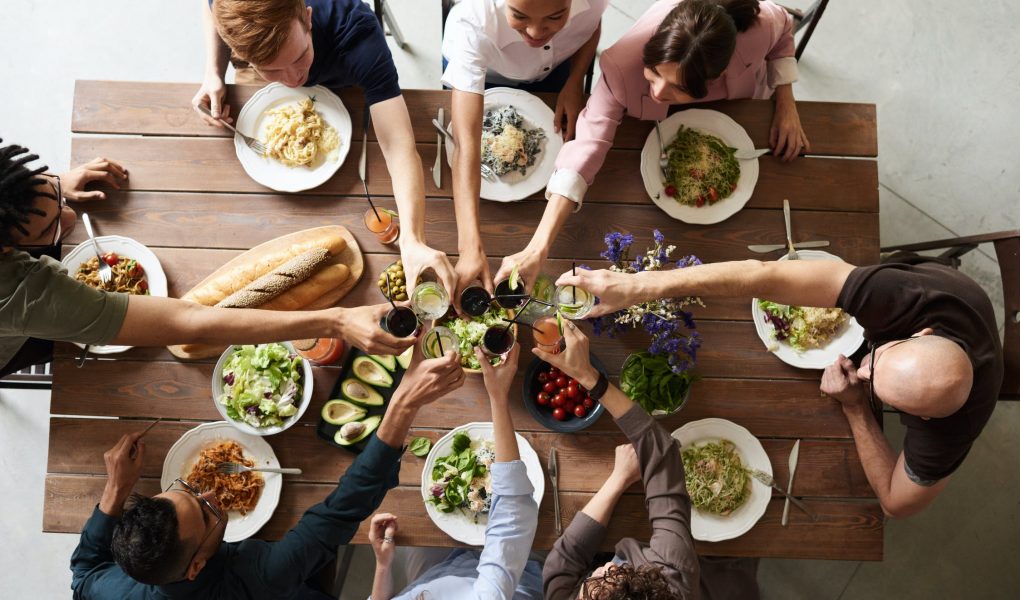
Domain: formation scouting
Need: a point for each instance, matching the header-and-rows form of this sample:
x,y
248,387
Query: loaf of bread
x,y
328,278
277,281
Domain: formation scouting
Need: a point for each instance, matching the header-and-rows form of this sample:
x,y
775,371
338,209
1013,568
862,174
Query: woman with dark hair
x,y
676,54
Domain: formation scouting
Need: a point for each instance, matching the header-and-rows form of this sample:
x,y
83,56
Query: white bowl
x,y
306,395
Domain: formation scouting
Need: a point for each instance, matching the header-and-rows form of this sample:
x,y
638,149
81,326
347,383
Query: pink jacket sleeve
x,y
780,61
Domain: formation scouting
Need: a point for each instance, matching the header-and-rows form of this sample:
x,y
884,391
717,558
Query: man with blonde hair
x,y
336,44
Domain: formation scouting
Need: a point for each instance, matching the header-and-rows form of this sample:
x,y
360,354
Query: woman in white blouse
x,y
533,45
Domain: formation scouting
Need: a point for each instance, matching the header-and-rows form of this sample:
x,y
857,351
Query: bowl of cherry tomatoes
x,y
557,401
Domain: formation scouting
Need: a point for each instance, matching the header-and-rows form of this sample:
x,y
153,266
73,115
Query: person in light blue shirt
x,y
502,569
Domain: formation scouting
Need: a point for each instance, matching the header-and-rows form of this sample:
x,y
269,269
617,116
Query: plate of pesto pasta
x,y
704,182
718,456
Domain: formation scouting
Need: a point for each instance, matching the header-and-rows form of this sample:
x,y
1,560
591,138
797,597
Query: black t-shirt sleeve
x,y
932,456
885,299
372,64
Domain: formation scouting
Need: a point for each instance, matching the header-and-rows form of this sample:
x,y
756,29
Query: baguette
x,y
277,281
259,261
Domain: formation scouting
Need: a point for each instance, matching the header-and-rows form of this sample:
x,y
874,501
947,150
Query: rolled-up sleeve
x,y
780,61
464,50
513,520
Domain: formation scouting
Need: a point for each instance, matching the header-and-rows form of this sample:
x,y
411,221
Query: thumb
x,y
558,117
391,528
214,104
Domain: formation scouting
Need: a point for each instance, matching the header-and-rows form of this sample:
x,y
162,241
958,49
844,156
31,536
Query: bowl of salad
x,y
470,333
262,389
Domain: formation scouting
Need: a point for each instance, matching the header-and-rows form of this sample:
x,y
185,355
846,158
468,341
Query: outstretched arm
x,y
468,109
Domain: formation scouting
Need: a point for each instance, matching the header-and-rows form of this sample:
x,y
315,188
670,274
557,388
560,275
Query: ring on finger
x,y
387,539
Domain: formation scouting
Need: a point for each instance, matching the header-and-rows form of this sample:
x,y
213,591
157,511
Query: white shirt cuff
x,y
568,184
511,479
782,71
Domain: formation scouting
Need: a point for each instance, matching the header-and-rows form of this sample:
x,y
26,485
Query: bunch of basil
x,y
450,490
648,380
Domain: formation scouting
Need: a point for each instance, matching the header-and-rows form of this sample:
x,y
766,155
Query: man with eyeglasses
x,y
934,353
40,303
171,545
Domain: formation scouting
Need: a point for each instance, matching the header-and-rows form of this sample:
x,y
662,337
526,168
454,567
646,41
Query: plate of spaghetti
x,y
306,131
704,182
136,271
249,499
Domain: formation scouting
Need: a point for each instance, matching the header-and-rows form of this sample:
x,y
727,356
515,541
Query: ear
x,y
195,568
925,331
308,18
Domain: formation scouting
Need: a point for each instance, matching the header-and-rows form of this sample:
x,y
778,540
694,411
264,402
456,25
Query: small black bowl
x,y
532,386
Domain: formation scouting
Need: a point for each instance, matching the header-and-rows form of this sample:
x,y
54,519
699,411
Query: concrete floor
x,y
944,80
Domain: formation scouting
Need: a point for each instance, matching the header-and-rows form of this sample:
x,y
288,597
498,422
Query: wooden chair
x,y
1007,250
806,18
37,377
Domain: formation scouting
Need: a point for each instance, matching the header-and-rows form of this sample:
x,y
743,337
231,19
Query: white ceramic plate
x,y
706,121
514,186
272,173
184,453
846,342
307,385
709,527
458,525
122,246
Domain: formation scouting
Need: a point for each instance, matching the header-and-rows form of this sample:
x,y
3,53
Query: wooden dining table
x,y
190,201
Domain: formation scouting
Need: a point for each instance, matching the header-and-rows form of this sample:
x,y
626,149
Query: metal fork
x,y
663,159
767,480
232,468
105,271
486,171
256,146
792,254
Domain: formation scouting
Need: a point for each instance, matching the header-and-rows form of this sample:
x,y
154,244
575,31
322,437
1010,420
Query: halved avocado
x,y
370,424
390,362
360,393
405,358
371,372
338,412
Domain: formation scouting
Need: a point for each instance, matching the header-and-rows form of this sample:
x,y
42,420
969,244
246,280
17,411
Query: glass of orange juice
x,y
547,334
383,225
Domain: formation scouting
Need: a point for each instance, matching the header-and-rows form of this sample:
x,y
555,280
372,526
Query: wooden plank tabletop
x,y
193,205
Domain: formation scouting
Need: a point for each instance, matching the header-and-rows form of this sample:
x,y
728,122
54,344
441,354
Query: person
x,y
40,303
532,45
502,569
674,55
171,545
934,353
333,43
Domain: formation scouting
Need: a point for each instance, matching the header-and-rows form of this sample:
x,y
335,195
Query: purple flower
x,y
616,246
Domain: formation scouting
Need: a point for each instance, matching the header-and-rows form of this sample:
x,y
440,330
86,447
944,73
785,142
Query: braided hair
x,y
18,191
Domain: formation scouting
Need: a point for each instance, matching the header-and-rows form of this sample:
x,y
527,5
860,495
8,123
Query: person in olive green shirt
x,y
40,303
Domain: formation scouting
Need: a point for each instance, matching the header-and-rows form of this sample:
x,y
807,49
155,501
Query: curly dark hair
x,y
700,36
18,191
626,582
146,542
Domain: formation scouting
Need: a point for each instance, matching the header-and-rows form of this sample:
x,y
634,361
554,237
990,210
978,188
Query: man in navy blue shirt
x,y
334,43
171,545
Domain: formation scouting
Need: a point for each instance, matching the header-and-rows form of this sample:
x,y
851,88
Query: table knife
x,y
751,154
437,169
794,454
555,479
766,248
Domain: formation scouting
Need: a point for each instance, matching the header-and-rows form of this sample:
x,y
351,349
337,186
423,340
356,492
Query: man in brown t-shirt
x,y
934,353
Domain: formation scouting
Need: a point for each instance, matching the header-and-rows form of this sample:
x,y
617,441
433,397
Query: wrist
x,y
617,484
336,322
588,377
112,501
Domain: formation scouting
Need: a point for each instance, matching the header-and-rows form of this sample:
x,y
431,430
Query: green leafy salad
x,y
717,480
648,380
802,327
461,480
470,334
261,384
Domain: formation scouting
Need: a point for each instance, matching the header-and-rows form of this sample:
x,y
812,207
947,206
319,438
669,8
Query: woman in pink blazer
x,y
676,53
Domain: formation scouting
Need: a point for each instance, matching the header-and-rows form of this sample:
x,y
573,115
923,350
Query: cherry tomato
x,y
549,387
556,401
569,407
733,186
712,195
543,377
559,414
542,399
561,382
111,259
700,202
572,391
553,372
580,412
670,191
697,174
588,403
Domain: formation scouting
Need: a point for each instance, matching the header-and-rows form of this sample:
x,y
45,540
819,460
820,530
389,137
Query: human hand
x,y
529,263
786,136
499,378
428,379
416,257
575,359
569,103
472,266
615,291
359,327
840,382
626,468
72,183
211,94
123,468
382,532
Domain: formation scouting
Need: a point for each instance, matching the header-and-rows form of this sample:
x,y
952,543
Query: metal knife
x,y
366,122
794,454
765,248
554,478
437,169
751,154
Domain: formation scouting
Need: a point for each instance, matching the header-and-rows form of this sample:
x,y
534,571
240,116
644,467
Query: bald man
x,y
934,353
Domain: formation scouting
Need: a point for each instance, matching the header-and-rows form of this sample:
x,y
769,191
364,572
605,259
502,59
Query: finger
x,y
106,176
569,278
571,124
774,138
117,169
139,452
792,146
214,104
81,196
486,278
545,356
225,114
558,117
805,141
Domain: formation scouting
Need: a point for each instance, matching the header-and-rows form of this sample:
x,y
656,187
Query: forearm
x,y
382,584
557,210
467,131
112,501
396,141
601,506
397,421
783,96
503,430
217,54
877,456
583,57
615,401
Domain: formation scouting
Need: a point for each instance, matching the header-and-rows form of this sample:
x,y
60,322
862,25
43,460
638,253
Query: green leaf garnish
x,y
515,276
420,446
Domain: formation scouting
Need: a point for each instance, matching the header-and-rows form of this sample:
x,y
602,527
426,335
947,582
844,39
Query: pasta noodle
x,y
128,275
296,134
701,170
717,481
238,492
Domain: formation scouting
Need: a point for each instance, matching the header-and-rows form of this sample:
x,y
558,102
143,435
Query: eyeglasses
x,y
179,485
55,223
873,400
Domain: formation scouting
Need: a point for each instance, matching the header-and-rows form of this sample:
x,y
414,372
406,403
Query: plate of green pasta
x,y
718,456
703,183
